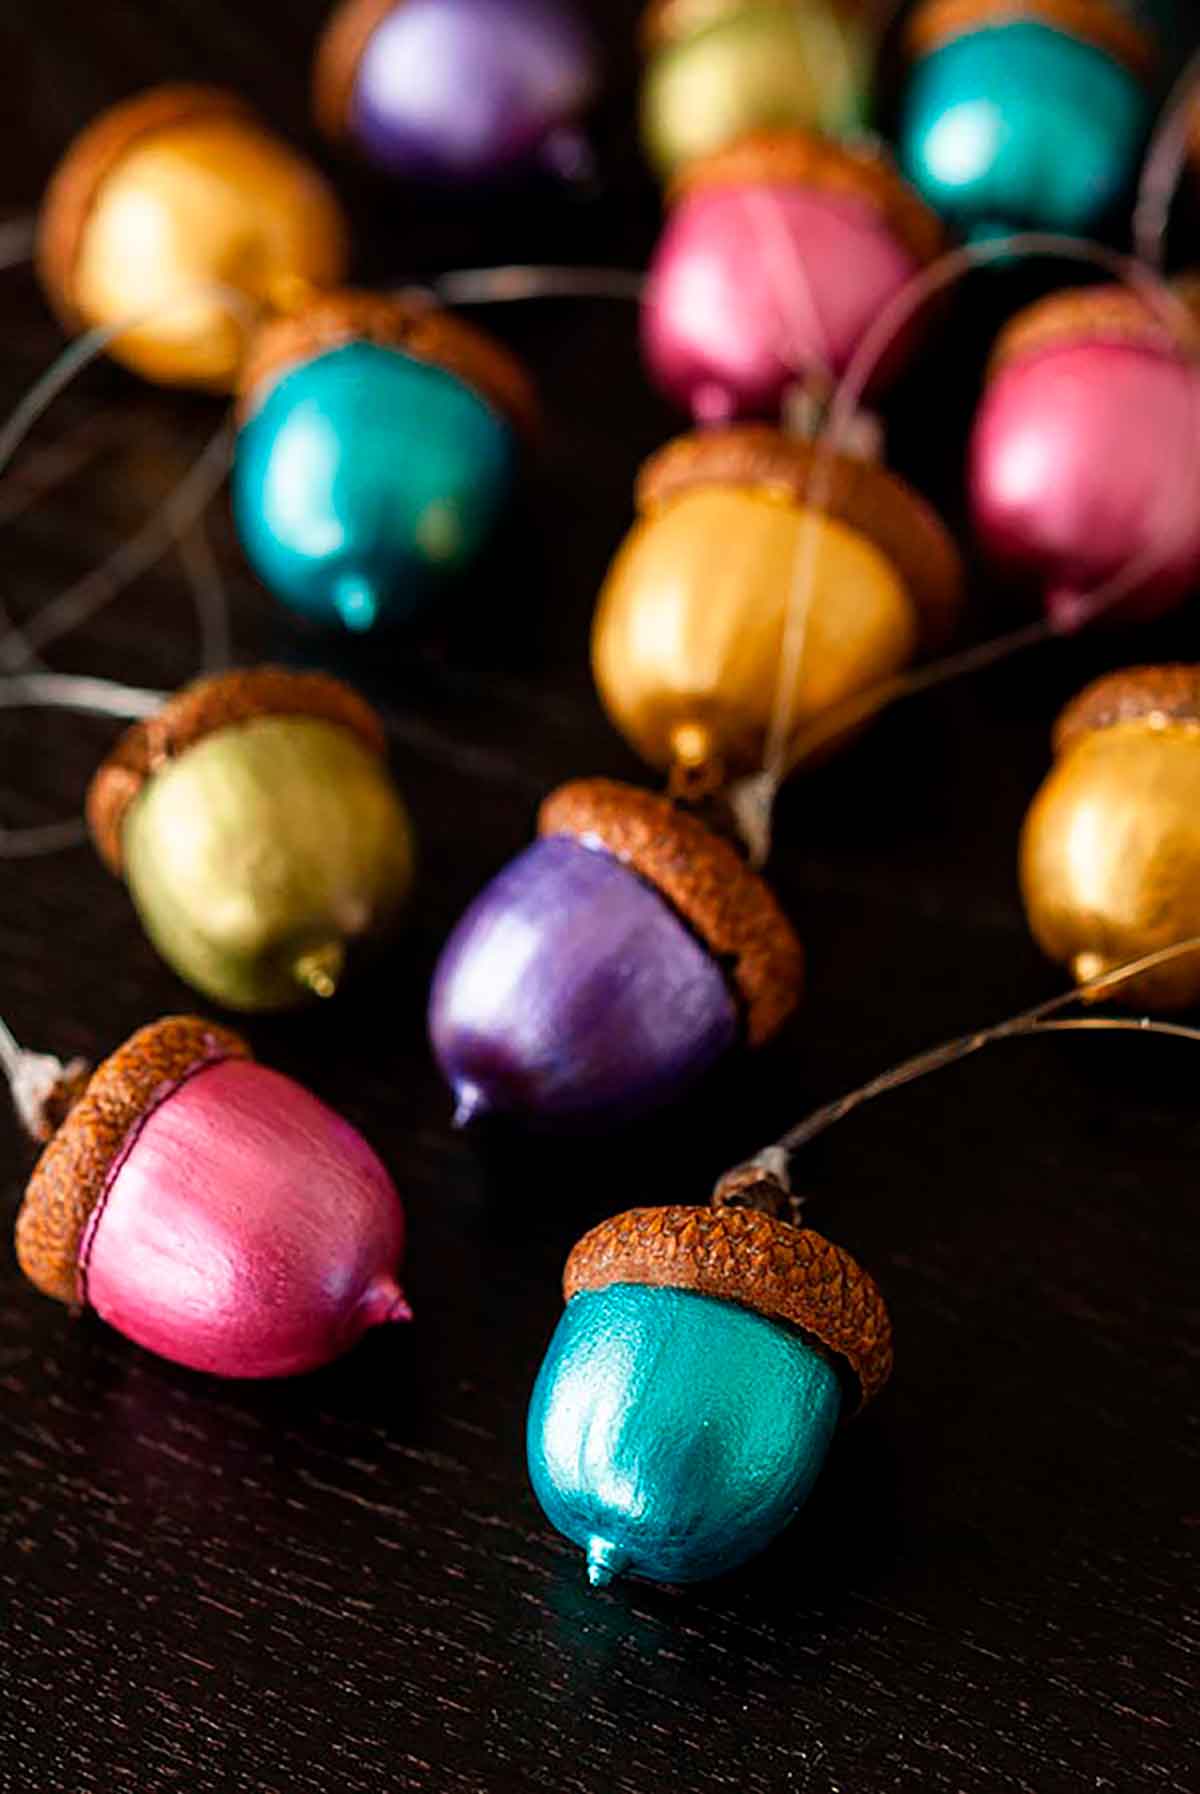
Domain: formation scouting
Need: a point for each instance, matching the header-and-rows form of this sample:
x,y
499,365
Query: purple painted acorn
x,y
609,965
458,91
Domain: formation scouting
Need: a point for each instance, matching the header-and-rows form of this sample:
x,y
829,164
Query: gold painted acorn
x,y
1110,851
689,630
165,204
259,831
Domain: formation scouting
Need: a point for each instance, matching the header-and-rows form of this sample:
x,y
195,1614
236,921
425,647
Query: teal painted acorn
x,y
690,1393
379,443
1025,114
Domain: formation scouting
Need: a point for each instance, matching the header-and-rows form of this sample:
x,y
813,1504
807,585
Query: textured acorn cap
x,y
202,709
345,37
1096,22
74,1172
798,158
1101,314
1154,695
667,22
704,880
87,164
737,1255
861,494
405,322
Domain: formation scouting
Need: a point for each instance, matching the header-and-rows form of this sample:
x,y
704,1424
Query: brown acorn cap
x,y
407,322
92,157
345,37
702,878
1101,314
797,158
202,709
1096,22
73,1173
861,494
738,1255
1155,695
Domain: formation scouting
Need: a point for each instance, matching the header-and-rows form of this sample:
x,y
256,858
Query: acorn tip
x,y
604,1562
471,1105
319,971
385,1304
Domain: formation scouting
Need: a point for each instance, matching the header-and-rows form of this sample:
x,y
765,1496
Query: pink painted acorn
x,y
213,1211
1085,454
778,255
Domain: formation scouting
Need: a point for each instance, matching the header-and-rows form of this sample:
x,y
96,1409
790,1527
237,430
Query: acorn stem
x,y
319,971
384,1303
605,1562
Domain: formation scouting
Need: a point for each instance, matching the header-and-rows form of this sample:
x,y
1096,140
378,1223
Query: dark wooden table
x,y
343,1585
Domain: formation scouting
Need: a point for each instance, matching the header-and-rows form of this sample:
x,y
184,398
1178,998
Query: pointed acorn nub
x,y
384,1303
605,1562
357,602
471,1104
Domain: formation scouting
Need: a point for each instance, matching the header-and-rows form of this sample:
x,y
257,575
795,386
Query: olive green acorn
x,y
259,831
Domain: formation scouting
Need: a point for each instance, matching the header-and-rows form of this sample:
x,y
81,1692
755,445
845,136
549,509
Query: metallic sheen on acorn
x,y
1085,454
718,68
259,831
1025,114
163,200
1110,851
690,1394
778,254
213,1211
688,632
458,90
379,442
609,966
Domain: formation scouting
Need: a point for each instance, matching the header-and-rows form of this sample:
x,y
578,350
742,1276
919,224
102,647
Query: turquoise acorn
x,y
1025,114
379,441
690,1393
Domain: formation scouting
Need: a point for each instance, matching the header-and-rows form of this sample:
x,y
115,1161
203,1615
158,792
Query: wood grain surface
x,y
343,1585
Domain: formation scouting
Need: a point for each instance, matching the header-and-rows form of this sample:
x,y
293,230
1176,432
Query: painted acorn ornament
x,y
458,90
778,254
688,633
1025,114
165,205
213,1211
690,1394
1085,453
379,442
609,966
715,69
259,831
1110,850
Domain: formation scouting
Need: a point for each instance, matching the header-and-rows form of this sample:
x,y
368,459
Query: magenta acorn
x,y
777,256
213,1211
1085,454
609,966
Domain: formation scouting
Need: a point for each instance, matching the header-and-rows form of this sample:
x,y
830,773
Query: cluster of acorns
x,y
219,1215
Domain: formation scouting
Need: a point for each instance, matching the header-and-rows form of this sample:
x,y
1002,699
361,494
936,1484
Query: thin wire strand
x,y
210,597
1163,166
514,284
11,1052
843,411
177,514
1029,1021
